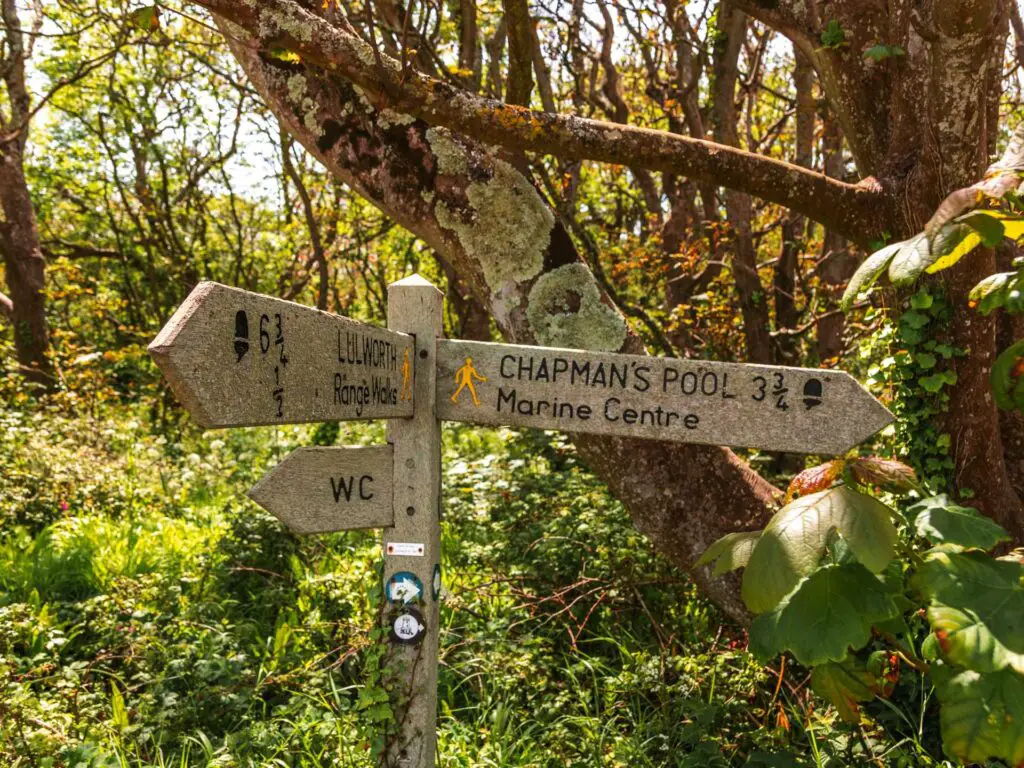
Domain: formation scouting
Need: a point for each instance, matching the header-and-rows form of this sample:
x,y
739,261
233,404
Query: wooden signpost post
x,y
236,358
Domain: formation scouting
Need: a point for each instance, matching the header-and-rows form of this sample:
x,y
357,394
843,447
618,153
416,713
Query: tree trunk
x,y
24,264
24,267
837,263
795,225
753,300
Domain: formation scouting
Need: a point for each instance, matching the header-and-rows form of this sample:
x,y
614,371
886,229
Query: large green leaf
x,y
792,544
911,260
961,638
828,613
988,224
976,608
942,522
730,552
845,685
869,272
952,243
982,716
992,292
1007,383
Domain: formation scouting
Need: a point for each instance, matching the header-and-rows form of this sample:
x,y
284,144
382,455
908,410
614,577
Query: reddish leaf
x,y
815,479
887,474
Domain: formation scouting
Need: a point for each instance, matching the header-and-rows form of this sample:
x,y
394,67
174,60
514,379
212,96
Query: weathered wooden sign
x,y
322,490
796,410
241,359
236,359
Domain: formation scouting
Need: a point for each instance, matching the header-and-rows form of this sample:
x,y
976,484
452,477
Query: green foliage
x,y
942,522
833,36
792,544
879,52
845,685
159,620
918,374
1006,379
853,626
976,608
829,612
983,715
929,253
730,552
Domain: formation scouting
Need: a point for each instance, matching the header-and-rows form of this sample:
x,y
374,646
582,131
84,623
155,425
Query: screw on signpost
x,y
412,546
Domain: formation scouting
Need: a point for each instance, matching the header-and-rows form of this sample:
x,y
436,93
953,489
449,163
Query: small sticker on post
x,y
405,549
408,628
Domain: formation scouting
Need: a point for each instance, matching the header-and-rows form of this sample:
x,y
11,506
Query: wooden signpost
x,y
795,410
242,359
341,489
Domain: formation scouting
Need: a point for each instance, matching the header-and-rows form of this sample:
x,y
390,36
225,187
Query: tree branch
x,y
520,52
857,211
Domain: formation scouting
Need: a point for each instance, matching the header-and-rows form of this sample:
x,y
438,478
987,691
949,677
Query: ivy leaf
x,y
833,36
730,552
867,274
942,522
982,716
977,608
879,52
937,381
793,542
887,474
845,685
1006,379
828,613
814,479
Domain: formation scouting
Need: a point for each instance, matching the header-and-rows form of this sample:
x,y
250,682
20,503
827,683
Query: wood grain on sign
x,y
322,490
236,358
796,410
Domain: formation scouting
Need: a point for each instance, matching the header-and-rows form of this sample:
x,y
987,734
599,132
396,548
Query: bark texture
x,y
24,263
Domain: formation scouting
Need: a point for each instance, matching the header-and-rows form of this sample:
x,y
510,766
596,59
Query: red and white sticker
x,y
405,549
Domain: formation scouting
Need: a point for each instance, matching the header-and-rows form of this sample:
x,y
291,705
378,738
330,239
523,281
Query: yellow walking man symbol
x,y
464,378
406,393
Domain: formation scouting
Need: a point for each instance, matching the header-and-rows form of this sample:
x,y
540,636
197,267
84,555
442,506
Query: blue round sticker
x,y
403,587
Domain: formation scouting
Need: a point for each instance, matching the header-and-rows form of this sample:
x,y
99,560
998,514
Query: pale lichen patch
x,y
299,97
507,227
271,21
389,118
565,310
451,158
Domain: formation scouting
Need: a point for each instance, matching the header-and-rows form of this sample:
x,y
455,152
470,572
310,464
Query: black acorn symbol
x,y
812,393
241,335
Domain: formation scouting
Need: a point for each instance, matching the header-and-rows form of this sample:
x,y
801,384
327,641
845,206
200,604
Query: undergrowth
x,y
151,616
